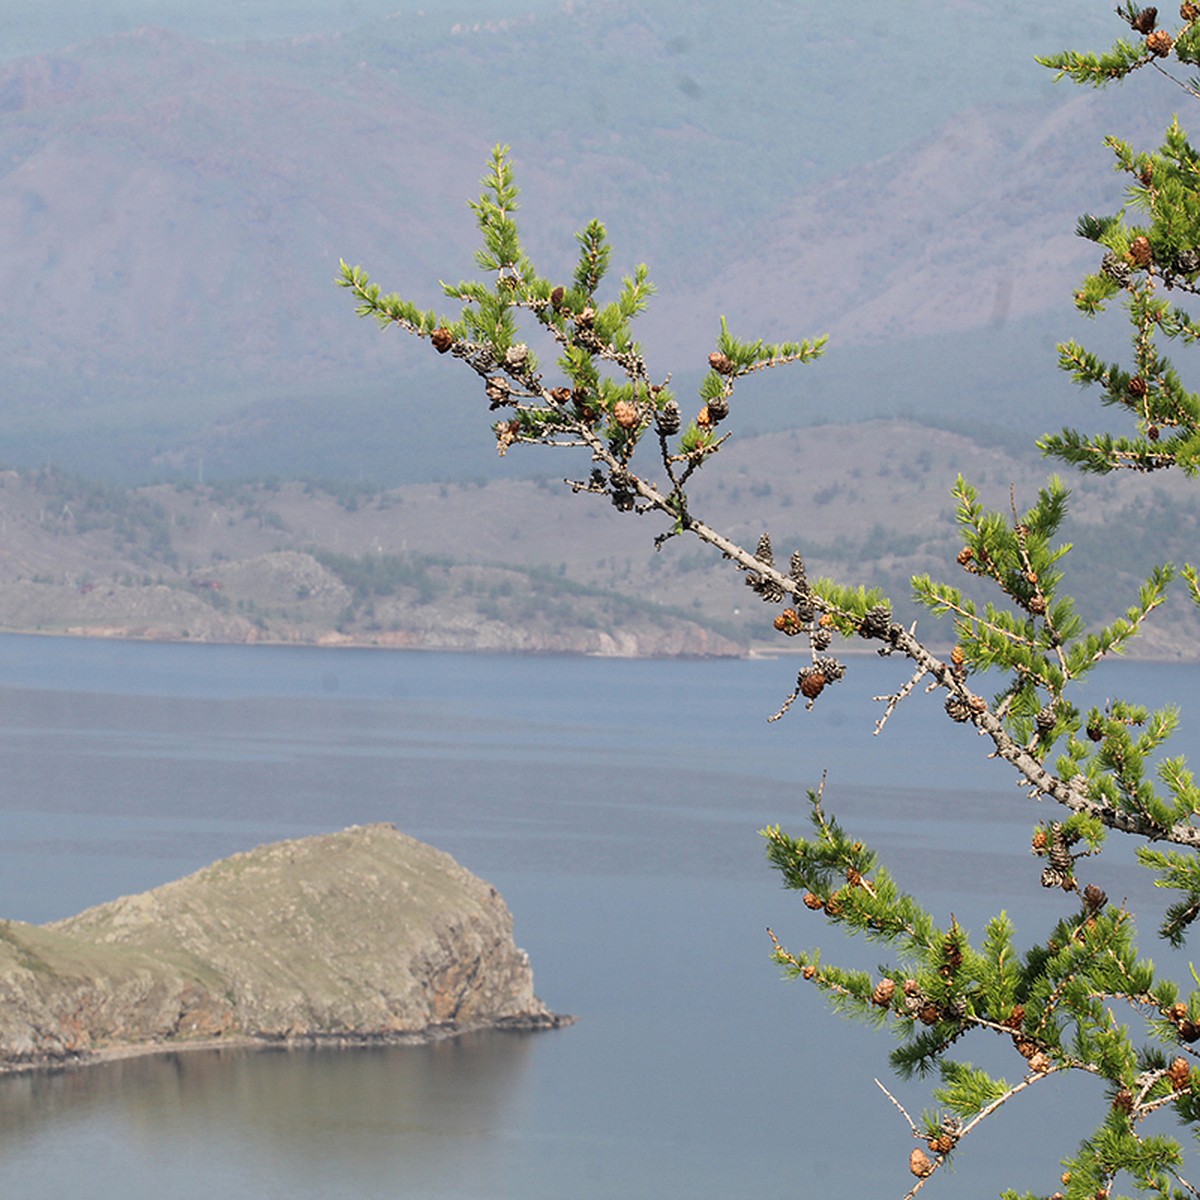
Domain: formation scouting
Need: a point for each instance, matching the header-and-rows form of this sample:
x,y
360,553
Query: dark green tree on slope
x,y
1081,999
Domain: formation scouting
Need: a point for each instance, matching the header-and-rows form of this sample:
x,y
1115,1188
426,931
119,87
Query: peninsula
x,y
356,937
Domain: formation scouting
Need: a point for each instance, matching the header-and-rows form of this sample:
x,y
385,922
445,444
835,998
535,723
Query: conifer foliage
x,y
1082,999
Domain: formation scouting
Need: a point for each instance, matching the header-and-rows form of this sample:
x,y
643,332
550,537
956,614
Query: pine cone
x,y
1137,387
1044,721
1189,11
811,683
718,408
1094,898
1040,1062
885,989
556,298
1123,1101
1159,43
919,1163
1139,249
516,356
1116,269
560,395
667,419
1145,20
1036,605
951,957
497,390
876,623
1053,877
1179,1073
957,656
769,589
957,709
831,669
704,418
1059,851
721,363
789,622
796,569
1187,262
1152,432
442,339
813,901
625,414
822,638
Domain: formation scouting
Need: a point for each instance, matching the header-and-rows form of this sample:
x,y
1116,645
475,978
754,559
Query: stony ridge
x,y
356,936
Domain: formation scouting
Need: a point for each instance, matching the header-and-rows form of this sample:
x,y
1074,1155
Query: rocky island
x,y
356,937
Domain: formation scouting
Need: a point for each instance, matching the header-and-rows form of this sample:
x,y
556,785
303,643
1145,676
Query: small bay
x,y
616,805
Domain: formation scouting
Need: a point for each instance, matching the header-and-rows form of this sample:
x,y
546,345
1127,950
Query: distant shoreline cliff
x,y
361,937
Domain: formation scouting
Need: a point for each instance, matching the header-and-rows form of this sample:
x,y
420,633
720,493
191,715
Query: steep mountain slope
x,y
173,211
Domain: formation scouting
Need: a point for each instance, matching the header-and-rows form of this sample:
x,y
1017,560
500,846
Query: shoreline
x,y
755,651
102,1055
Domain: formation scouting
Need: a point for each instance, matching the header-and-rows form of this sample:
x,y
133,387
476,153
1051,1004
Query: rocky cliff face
x,y
359,935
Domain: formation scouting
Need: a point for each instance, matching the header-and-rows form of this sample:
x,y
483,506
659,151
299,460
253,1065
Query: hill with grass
x,y
360,936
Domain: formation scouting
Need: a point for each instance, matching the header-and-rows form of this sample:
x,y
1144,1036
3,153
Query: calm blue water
x,y
616,805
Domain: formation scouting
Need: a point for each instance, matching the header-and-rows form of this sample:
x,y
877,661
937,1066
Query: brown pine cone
x,y
1145,21
1140,253
919,1163
812,683
625,414
1178,1073
1159,43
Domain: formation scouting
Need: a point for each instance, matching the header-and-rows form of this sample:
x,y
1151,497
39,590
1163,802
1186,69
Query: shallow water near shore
x,y
616,806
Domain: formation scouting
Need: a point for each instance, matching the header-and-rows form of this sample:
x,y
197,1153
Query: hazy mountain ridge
x,y
175,208
525,565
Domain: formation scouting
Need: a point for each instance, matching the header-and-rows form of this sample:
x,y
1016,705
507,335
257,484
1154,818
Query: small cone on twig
x,y
919,1163
626,414
1159,43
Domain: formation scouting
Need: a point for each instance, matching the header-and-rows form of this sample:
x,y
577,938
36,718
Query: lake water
x,y
616,806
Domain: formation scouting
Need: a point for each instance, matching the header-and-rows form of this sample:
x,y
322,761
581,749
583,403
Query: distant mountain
x,y
174,209
521,565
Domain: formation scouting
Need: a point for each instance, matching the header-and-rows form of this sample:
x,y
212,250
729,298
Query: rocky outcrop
x,y
355,936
